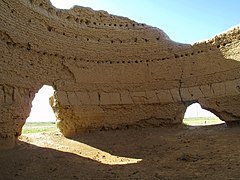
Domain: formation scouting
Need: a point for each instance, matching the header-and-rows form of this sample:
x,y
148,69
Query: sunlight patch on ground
x,y
75,147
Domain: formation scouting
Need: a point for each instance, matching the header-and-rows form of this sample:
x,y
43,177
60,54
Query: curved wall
x,y
108,71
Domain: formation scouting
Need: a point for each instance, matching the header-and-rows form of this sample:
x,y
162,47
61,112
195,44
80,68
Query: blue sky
x,y
183,20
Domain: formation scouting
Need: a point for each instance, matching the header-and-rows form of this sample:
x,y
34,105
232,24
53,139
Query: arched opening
x,y
196,116
41,118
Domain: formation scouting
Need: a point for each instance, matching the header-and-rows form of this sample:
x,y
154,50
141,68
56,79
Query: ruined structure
x,y
108,71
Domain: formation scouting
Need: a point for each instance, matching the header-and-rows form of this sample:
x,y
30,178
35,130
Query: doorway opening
x,y
196,116
41,118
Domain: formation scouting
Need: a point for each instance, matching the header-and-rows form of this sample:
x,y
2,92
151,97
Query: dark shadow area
x,y
28,161
172,153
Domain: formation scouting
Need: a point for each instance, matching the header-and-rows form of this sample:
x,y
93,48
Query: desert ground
x,y
183,152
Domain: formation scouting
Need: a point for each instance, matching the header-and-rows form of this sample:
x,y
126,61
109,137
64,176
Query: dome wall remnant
x,y
108,71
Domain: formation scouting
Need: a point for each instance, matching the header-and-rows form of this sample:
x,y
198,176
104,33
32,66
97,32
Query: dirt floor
x,y
211,152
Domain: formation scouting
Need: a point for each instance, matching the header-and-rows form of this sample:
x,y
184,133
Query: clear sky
x,y
184,21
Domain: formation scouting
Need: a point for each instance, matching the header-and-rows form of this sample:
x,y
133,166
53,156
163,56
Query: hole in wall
x,y
41,118
196,116
49,28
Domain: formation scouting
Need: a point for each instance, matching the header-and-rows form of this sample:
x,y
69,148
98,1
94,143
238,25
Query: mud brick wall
x,y
108,71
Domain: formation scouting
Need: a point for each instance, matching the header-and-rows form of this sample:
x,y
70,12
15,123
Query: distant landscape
x,y
38,127
202,121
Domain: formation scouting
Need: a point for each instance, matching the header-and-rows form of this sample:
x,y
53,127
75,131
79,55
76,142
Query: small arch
x,y
195,115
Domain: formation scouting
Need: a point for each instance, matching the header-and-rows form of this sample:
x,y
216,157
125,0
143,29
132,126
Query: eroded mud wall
x,y
108,71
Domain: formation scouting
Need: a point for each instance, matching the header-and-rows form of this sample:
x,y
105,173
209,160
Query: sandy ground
x,y
211,152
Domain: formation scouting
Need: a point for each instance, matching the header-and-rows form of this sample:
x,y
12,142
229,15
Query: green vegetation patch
x,y
37,127
202,121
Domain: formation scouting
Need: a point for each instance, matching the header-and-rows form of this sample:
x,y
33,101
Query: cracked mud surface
x,y
210,152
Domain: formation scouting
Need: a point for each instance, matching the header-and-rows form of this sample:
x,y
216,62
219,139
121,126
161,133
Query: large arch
x,y
41,110
108,71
